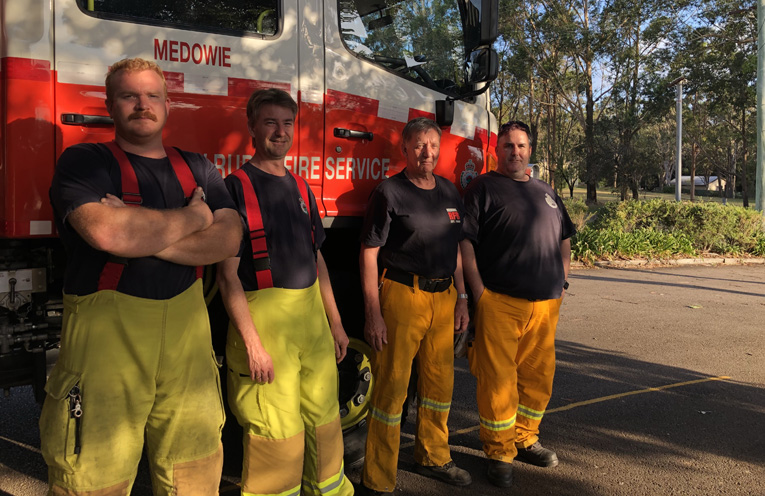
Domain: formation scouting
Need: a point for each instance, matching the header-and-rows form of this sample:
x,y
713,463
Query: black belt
x,y
407,279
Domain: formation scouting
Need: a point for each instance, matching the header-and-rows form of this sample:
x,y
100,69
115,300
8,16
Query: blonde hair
x,y
132,65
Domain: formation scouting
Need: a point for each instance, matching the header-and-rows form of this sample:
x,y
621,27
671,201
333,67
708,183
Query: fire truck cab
x,y
359,70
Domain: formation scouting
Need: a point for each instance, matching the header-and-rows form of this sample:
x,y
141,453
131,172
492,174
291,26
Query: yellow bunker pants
x,y
292,433
131,368
513,358
420,326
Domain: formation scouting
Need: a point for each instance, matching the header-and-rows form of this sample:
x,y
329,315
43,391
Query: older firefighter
x,y
281,351
415,301
136,356
517,253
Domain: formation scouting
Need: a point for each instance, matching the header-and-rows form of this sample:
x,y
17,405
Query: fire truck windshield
x,y
427,41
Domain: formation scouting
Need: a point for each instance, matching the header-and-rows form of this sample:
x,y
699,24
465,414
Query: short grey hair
x,y
419,125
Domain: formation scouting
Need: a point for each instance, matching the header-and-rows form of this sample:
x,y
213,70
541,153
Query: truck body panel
x,y
356,75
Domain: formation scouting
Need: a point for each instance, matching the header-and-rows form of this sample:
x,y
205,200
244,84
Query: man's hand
x,y
261,366
341,341
198,205
112,201
461,317
375,332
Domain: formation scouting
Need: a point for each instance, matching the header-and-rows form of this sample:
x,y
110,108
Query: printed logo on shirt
x,y
550,201
468,174
454,215
303,206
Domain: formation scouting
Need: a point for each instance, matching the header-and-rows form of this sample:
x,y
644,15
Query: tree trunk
x,y
591,174
694,152
744,152
553,139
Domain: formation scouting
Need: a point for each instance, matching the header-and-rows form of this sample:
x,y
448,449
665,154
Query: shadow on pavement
x,y
701,438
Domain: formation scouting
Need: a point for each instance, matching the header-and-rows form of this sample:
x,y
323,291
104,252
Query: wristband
x,y
462,296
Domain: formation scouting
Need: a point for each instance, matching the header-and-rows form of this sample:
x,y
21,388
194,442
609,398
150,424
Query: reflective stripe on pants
x,y
420,326
143,368
513,358
292,433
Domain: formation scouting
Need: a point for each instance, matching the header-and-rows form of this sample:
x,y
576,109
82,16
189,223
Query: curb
x,y
678,262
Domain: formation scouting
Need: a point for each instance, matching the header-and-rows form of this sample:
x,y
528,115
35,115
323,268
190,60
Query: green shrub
x,y
663,229
578,210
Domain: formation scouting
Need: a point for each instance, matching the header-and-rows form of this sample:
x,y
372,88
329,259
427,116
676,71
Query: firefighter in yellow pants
x,y
286,333
513,358
414,303
130,366
420,327
136,357
516,256
280,424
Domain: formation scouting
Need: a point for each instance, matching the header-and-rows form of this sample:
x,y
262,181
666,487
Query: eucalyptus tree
x,y
717,53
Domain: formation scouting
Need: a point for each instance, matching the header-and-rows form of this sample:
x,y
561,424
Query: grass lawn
x,y
606,195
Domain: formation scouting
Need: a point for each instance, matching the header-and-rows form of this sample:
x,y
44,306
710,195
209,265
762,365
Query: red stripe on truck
x,y
26,69
338,100
245,87
482,135
175,81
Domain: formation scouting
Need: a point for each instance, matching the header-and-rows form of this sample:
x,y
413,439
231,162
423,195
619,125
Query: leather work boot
x,y
537,455
449,473
362,490
500,473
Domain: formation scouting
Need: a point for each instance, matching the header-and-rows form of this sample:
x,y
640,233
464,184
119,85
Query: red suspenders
x,y
260,258
131,196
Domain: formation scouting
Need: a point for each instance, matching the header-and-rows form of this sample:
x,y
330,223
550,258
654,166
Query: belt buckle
x,y
428,285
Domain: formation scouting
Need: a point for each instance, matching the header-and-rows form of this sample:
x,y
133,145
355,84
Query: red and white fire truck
x,y
359,70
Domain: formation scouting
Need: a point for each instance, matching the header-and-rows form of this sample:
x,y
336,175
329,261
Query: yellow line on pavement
x,y
21,445
596,400
630,393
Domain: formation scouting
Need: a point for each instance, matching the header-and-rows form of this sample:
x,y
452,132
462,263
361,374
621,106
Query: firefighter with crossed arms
x,y
415,302
516,256
136,359
281,350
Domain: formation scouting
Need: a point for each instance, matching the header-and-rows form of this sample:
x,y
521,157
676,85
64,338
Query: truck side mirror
x,y
481,66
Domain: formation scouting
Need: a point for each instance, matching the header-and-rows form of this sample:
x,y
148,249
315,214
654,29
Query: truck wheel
x,y
356,383
354,445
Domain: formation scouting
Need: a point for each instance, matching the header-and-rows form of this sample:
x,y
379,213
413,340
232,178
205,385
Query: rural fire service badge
x,y
454,215
303,206
550,201
468,174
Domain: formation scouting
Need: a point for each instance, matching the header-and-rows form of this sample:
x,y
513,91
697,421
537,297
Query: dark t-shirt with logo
x,y
516,229
287,226
418,230
85,173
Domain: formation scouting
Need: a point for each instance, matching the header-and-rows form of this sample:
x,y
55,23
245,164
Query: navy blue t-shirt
x,y
417,229
516,228
287,226
85,173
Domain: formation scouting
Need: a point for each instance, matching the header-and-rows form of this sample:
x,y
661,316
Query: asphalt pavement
x,y
660,390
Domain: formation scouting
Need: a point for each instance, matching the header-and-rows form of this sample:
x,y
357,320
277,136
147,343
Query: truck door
x,y
388,62
214,55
